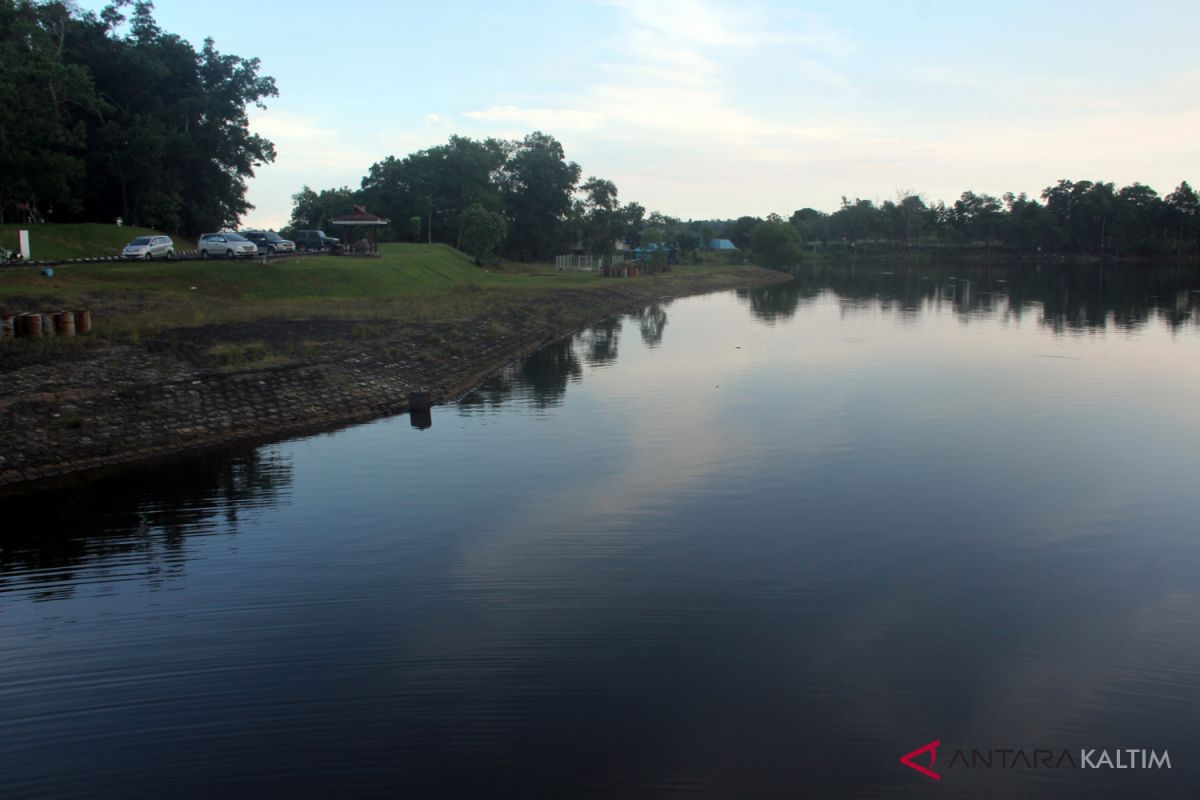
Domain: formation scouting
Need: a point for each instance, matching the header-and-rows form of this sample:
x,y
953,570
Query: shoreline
x,y
107,405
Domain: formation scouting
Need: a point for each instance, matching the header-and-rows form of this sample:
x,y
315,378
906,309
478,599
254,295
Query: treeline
x,y
524,199
519,198
1076,217
106,116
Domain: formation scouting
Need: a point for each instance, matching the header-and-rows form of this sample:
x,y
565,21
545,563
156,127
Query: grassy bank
x,y
255,352
409,281
84,240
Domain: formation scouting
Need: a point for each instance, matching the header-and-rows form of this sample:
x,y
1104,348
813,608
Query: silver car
x,y
227,245
148,247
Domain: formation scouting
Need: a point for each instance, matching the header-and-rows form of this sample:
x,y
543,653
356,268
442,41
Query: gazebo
x,y
360,218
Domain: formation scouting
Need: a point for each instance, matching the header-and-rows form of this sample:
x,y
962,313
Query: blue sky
x,y
714,109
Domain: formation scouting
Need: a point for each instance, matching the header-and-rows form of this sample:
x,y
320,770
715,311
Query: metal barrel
x,y
29,324
8,325
47,324
83,320
64,323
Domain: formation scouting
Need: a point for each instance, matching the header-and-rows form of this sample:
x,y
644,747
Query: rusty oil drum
x,y
64,323
29,324
83,320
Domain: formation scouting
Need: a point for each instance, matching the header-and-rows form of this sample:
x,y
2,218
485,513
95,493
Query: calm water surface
x,y
741,545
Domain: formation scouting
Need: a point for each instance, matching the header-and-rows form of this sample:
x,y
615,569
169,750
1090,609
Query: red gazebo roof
x,y
360,216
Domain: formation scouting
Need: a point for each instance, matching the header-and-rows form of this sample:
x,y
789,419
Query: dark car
x,y
269,242
316,240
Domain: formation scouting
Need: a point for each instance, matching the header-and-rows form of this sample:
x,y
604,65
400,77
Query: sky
x,y
715,109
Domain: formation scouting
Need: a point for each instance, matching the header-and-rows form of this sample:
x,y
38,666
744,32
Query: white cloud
x,y
541,118
309,144
665,89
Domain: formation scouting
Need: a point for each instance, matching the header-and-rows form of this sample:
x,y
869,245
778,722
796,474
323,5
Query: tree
x,y
810,224
1138,216
977,216
481,232
855,221
99,124
438,184
314,210
41,145
656,259
1028,224
739,231
601,220
775,243
1183,215
537,182
633,216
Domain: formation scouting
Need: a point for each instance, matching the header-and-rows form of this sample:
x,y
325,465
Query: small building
x,y
642,255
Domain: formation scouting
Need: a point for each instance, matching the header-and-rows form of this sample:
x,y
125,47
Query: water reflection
x,y
652,321
541,379
135,523
599,342
740,555
1076,298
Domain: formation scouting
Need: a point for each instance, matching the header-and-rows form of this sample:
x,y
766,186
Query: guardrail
x,y
186,255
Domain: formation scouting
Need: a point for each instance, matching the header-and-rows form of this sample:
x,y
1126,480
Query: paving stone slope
x,y
65,410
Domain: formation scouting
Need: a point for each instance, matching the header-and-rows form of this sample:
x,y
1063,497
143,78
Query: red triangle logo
x,y
931,748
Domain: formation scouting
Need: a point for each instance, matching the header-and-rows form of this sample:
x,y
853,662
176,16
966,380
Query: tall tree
x,y
41,142
538,182
481,232
775,243
101,124
602,223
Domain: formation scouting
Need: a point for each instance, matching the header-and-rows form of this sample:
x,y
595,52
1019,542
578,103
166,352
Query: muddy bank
x,y
95,402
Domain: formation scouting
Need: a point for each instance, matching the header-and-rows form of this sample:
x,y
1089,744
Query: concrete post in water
x,y
83,320
419,414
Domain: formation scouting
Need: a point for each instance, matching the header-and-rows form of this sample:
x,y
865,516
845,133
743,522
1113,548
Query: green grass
x,y
409,281
83,240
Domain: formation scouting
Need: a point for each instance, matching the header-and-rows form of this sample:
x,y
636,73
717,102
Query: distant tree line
x,y
1076,217
524,199
106,116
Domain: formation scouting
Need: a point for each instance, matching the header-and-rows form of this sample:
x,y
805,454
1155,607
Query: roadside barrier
x,y
39,324
180,255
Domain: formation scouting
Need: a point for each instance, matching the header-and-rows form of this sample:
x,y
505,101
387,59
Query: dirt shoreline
x,y
100,404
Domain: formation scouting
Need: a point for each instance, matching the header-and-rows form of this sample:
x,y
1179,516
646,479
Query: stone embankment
x,y
100,403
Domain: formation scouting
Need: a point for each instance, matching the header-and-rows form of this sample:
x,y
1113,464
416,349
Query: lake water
x,y
755,544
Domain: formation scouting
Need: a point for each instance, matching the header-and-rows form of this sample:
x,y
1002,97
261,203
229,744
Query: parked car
x,y
315,240
269,242
149,247
229,245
